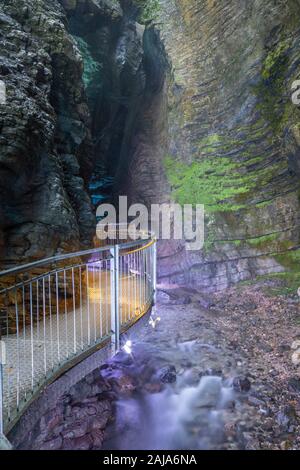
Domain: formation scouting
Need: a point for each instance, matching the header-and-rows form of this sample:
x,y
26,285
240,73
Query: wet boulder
x,y
241,384
167,374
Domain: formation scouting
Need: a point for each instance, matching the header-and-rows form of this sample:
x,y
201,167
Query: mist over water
x,y
182,416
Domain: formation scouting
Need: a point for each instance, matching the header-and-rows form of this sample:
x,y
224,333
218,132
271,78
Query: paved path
x,y
38,351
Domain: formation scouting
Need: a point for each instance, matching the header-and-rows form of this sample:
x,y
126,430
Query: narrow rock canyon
x,y
164,101
191,103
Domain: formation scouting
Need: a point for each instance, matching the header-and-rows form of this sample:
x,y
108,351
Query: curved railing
x,y
56,311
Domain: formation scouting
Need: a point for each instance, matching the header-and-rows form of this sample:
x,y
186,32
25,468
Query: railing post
x,y
1,398
2,363
114,292
154,254
4,444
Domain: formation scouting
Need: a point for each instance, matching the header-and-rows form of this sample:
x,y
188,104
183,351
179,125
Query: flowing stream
x,y
187,417
190,410
188,389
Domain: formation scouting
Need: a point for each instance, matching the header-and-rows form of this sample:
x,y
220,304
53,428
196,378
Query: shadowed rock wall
x,y
75,78
232,137
46,148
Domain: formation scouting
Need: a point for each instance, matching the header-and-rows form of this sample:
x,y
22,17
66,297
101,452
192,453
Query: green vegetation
x,y
211,182
210,143
149,10
238,242
273,106
219,182
288,281
263,241
208,241
290,260
285,283
91,67
274,60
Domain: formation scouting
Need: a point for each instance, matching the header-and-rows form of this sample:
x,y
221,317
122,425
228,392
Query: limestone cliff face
x,y
232,136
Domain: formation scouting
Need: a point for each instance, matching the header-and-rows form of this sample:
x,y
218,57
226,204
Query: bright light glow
x,y
128,347
154,321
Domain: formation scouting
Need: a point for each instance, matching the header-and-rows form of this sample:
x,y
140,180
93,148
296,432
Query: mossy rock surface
x,y
234,144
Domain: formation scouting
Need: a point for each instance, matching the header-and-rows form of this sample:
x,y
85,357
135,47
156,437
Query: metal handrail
x,y
49,319
66,256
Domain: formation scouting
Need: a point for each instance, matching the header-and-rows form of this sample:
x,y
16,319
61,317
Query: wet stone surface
x,y
214,378
236,386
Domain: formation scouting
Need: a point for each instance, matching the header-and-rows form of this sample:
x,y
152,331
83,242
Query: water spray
x,y
154,321
127,347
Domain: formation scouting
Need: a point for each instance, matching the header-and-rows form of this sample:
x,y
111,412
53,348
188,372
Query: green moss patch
x,y
275,108
288,282
149,10
284,284
290,260
210,182
264,241
221,183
